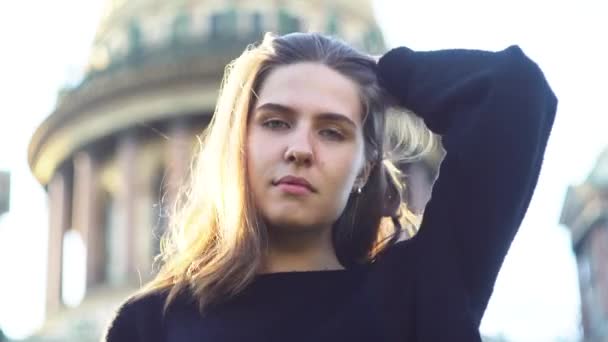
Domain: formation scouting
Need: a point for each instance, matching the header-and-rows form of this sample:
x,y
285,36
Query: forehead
x,y
310,87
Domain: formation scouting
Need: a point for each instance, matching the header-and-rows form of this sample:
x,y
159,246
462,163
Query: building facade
x,y
5,191
585,213
116,148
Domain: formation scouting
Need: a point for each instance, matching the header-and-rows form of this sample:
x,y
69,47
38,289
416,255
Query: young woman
x,y
292,227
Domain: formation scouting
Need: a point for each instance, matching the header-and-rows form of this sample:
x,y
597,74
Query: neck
x,y
309,250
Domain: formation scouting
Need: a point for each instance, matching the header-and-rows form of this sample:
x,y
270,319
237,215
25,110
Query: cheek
x,y
258,154
345,171
250,158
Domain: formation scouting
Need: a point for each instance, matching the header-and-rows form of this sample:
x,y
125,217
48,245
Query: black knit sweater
x,y
494,111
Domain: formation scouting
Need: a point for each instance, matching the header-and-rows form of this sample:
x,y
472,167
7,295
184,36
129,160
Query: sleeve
x,y
494,112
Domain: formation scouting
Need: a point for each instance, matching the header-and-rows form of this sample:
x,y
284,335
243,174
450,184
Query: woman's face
x,y
304,146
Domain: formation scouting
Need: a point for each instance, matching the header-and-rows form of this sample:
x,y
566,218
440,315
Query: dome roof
x,y
155,60
129,26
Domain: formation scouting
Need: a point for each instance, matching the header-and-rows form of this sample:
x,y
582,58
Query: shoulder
x,y
136,318
402,255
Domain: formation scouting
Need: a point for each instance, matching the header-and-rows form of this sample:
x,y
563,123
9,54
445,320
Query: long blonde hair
x,y
216,242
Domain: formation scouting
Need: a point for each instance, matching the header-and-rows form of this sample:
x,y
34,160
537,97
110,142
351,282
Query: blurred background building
x,y
5,191
118,145
585,213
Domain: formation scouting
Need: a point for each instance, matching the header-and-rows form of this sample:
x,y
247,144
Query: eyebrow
x,y
275,107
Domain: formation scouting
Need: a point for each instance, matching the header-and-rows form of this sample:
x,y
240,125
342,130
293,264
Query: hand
x,y
394,72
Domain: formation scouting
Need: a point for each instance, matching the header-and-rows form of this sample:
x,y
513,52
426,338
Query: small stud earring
x,y
358,190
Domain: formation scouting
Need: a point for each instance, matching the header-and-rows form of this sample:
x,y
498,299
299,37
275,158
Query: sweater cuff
x,y
394,72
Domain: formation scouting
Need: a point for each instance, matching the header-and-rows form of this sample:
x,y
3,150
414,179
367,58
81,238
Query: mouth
x,y
295,185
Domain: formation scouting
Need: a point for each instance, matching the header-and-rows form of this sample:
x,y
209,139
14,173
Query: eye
x,y
275,124
332,134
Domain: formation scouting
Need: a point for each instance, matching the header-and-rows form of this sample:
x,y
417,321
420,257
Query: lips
x,y
298,181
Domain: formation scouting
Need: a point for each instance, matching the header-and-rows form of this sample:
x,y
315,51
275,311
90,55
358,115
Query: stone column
x,y
121,232
584,276
144,198
59,192
419,186
86,215
177,162
598,250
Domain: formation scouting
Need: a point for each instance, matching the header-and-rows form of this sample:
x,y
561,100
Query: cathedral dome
x,y
155,60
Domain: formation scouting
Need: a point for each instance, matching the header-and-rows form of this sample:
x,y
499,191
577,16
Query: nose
x,y
300,150
299,157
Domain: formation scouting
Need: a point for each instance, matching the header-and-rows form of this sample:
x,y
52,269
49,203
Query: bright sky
x,y
536,296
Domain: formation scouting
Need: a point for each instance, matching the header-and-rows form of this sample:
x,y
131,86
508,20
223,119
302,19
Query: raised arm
x,y
494,111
